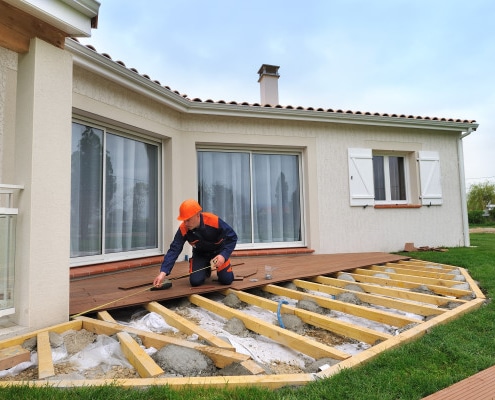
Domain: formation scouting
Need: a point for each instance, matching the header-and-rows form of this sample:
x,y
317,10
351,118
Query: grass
x,y
449,353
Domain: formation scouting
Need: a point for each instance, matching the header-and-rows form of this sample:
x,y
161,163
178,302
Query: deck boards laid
x,y
94,291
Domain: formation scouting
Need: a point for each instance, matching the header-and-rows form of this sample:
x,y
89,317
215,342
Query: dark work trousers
x,y
200,261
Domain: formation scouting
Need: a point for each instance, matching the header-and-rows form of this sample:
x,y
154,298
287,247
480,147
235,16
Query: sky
x,y
431,58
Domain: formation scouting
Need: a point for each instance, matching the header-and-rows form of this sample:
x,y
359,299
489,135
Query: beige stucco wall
x,y
42,165
358,229
181,134
331,224
8,82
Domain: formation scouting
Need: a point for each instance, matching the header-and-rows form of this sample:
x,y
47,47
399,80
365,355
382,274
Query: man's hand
x,y
159,279
217,261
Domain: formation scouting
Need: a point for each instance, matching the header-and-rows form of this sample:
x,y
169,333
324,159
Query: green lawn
x,y
447,354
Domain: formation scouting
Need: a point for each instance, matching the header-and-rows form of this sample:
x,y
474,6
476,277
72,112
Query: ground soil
x,y
482,230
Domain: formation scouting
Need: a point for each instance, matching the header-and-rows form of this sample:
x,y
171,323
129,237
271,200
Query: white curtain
x,y
131,190
258,194
224,189
276,198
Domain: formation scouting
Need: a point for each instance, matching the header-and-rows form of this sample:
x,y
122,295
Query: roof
x,y
363,117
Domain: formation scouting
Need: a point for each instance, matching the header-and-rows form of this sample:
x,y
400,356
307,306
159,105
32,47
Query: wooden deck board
x,y
477,387
89,293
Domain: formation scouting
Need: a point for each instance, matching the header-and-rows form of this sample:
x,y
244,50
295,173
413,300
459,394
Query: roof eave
x,y
112,70
74,17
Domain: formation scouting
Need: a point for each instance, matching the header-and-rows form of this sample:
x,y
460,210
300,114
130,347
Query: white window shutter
x,y
430,178
361,186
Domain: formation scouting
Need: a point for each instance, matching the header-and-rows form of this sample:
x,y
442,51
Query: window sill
x,y
397,206
112,267
272,252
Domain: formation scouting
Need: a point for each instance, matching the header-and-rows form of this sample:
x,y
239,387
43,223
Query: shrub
x,y
476,217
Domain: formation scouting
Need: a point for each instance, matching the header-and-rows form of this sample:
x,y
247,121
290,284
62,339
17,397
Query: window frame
x,y
386,170
270,151
128,133
422,175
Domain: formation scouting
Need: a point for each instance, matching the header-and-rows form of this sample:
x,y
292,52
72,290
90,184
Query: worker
x,y
212,241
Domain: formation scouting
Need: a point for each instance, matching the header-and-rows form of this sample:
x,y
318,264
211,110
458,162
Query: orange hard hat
x,y
188,209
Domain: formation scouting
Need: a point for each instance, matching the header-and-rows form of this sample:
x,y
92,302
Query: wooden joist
x,y
389,291
383,317
45,361
280,335
139,359
186,326
405,269
404,337
373,299
456,293
220,357
13,355
221,382
341,328
419,280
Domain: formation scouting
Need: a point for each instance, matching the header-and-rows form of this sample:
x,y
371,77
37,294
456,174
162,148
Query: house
x,y
95,159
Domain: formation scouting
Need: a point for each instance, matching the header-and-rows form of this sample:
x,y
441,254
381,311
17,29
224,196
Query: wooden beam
x,y
11,356
186,326
386,291
375,299
66,326
427,265
220,357
139,359
45,360
411,285
402,338
280,335
221,382
421,280
383,317
411,270
17,28
253,367
472,284
341,328
105,316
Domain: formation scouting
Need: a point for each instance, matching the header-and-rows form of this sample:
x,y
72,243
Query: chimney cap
x,y
267,69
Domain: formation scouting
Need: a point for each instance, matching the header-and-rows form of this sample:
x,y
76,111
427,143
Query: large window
x,y
258,193
114,193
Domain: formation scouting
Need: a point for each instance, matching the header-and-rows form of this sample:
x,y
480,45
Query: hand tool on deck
x,y
166,284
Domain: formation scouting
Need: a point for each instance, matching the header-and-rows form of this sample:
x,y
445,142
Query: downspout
x,y
462,180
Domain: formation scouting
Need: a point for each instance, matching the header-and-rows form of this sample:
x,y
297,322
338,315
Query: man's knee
x,y
197,279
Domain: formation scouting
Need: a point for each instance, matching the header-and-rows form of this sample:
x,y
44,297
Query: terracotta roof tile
x,y
288,107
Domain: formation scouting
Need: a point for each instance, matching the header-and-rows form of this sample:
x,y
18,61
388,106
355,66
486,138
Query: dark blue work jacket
x,y
212,237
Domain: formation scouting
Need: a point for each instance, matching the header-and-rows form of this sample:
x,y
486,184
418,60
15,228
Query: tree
x,y
479,195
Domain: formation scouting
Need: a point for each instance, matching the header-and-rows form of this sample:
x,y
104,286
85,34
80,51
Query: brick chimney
x,y
269,84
